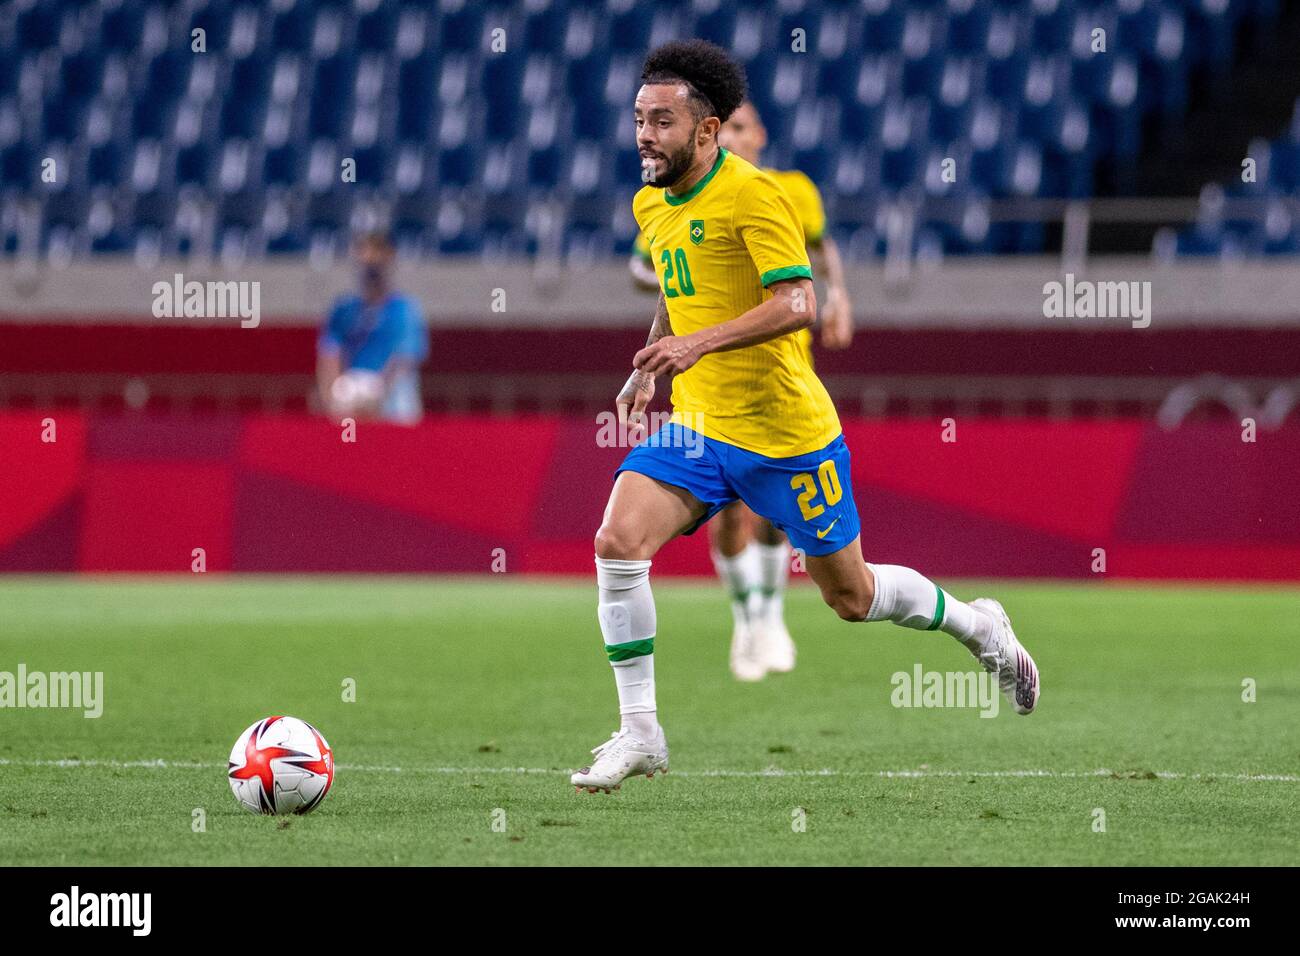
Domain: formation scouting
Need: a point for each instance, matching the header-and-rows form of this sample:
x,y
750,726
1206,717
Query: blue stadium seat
x,y
331,97
194,165
504,218
37,27
238,215
968,25
376,30
283,165
415,221
106,165
213,17
502,79
417,82
242,112
121,27
472,149
882,25
459,166
545,24
462,29
291,28
168,74
18,172
329,215
80,75
374,165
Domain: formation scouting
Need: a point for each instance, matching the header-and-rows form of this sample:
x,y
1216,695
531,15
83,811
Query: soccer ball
x,y
281,765
356,390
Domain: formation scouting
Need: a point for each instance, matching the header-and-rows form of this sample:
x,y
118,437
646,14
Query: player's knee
x,y
619,542
851,604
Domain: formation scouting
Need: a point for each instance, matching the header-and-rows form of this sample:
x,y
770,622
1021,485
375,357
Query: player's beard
x,y
678,164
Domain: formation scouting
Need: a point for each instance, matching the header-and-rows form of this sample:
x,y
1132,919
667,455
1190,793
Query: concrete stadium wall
x,y
959,292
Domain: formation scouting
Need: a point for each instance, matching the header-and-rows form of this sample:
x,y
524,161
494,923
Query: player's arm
x,y
765,221
640,386
328,368
836,315
641,266
793,306
643,273
410,349
395,368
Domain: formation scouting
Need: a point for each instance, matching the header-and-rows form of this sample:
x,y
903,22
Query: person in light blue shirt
x,y
371,346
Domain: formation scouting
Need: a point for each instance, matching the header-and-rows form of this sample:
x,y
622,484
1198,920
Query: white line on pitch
x,y
769,772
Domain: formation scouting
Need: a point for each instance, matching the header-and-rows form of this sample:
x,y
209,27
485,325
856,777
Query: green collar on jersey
x,y
695,190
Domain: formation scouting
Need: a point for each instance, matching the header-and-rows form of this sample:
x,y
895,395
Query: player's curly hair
x,y
715,81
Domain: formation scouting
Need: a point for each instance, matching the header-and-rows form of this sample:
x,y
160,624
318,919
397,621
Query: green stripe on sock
x,y
624,652
938,610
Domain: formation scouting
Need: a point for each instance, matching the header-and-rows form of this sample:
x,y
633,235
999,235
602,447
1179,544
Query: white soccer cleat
x,y
747,653
620,757
776,647
1007,657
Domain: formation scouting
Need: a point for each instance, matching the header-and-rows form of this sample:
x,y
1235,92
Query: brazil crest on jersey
x,y
716,249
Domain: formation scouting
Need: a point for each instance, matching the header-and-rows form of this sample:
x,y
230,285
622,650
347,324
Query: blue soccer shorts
x,y
809,497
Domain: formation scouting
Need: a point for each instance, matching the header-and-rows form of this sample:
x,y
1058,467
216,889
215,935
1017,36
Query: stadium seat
x,y
439,122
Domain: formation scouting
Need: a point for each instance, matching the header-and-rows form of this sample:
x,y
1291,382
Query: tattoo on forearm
x,y
660,326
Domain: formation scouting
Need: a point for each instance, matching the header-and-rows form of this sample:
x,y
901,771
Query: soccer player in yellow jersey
x,y
751,421
751,555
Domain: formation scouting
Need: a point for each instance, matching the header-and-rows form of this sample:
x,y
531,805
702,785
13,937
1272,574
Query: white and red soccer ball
x,y
281,765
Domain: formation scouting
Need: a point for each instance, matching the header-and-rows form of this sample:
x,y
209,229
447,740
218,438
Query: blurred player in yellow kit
x,y
752,555
751,421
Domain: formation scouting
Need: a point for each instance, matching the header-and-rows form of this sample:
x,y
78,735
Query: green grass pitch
x,y
476,697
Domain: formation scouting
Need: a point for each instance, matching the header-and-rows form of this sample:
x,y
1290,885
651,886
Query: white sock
x,y
740,574
910,599
627,623
774,572
635,678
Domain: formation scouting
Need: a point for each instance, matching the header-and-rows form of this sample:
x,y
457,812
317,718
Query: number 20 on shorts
x,y
807,488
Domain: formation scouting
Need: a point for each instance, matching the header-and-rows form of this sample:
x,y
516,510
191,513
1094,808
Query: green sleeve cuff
x,y
789,272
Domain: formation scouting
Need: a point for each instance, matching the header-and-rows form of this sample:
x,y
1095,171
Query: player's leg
x,y
810,498
736,560
773,552
730,537
664,488
642,516
858,591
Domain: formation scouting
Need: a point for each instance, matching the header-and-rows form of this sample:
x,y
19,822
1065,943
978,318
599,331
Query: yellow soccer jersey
x,y
803,195
807,202
641,247
715,250
805,198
